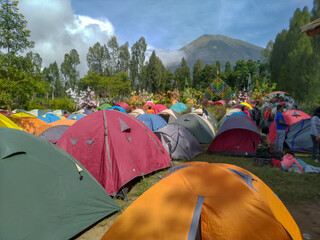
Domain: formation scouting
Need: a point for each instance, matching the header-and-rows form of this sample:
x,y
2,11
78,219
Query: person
x,y
315,134
150,110
288,160
205,113
268,116
263,149
256,114
281,127
245,110
65,114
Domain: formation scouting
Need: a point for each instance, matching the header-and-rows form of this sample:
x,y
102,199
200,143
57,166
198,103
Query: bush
x,y
217,111
63,103
35,104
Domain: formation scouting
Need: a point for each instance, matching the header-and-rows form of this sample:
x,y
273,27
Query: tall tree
x,y
16,80
124,58
51,75
196,73
156,74
113,48
138,50
227,68
69,69
218,65
208,74
97,59
182,75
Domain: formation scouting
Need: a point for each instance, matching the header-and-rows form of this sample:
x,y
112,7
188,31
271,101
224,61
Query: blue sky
x,y
170,24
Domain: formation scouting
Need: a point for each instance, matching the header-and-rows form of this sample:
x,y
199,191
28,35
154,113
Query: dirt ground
x,y
307,216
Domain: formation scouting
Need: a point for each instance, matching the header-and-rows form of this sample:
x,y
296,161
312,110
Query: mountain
x,y
212,48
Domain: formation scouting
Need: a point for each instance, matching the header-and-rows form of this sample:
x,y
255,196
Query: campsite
x,y
117,122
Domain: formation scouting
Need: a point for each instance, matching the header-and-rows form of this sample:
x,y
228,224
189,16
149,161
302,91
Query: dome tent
x,y
44,192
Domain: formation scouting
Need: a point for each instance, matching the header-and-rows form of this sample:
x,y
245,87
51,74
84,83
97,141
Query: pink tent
x,y
149,103
114,147
291,117
220,102
124,105
159,108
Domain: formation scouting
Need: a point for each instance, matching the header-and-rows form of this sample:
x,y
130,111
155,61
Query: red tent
x,y
159,108
291,117
114,147
124,105
220,102
149,103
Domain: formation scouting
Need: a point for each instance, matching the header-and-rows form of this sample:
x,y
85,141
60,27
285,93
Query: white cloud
x,y
168,58
56,30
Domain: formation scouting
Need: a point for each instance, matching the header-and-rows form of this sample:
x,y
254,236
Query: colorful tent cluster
x,y
206,201
218,89
45,193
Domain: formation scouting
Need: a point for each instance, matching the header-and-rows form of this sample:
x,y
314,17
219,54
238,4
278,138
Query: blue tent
x,y
76,116
153,121
49,117
117,108
179,107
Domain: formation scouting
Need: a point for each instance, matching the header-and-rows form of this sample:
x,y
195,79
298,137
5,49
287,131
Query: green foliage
x,y
97,58
34,104
69,69
63,103
182,76
217,111
196,75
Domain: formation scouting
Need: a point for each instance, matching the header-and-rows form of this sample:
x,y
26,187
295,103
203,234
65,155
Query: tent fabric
x,y
42,128
21,114
49,117
210,118
291,117
169,115
104,106
54,133
60,112
159,108
7,123
238,136
298,136
246,105
152,121
36,112
117,108
179,107
29,124
76,116
137,112
147,104
45,193
179,142
198,126
124,105
117,154
18,111
231,111
229,208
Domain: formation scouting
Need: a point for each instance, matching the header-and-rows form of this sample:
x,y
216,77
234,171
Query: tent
x,y
169,115
198,126
60,112
22,114
220,102
117,108
298,133
149,103
29,124
76,116
114,147
200,200
7,123
238,136
179,107
210,117
36,112
179,142
104,106
49,117
231,111
158,108
45,193
54,133
152,121
137,112
42,128
124,105
18,110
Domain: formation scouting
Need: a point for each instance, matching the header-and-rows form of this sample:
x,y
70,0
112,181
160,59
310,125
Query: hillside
x,y
212,48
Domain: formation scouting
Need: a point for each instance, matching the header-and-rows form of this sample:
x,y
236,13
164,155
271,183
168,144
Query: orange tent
x,y
29,124
206,201
67,122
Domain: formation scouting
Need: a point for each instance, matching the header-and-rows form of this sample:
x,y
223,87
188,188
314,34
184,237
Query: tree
x,y
124,57
69,69
51,75
18,79
196,74
137,60
182,75
208,74
97,59
156,74
227,68
218,65
113,48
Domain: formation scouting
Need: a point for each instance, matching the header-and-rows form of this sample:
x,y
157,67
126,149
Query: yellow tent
x,y
22,114
246,104
206,201
6,122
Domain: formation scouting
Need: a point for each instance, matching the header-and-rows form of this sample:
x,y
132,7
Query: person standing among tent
x,y
315,134
256,114
281,127
150,110
65,114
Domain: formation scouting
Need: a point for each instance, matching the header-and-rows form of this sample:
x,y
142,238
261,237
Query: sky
x,y
57,26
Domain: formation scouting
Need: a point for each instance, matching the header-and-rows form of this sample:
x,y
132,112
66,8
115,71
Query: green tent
x,y
200,127
104,106
44,192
